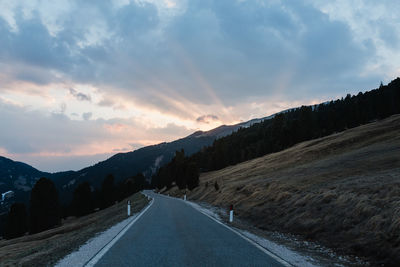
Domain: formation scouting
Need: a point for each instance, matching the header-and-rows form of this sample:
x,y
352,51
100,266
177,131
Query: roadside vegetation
x,y
328,172
47,247
45,211
287,129
342,190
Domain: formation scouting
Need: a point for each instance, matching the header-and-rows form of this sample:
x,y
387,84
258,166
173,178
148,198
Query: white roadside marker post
x,y
129,208
184,197
231,214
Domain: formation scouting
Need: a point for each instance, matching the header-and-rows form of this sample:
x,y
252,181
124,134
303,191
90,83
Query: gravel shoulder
x,y
48,247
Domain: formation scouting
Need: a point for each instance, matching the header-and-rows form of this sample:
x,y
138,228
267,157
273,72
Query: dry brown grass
x,y
342,190
46,248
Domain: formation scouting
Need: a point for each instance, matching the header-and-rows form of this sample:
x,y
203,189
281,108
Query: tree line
x,y
284,130
180,170
287,129
45,210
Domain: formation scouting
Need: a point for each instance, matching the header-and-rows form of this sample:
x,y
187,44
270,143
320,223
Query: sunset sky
x,y
83,80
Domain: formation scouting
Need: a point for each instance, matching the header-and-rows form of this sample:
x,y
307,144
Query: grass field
x,y
46,248
342,190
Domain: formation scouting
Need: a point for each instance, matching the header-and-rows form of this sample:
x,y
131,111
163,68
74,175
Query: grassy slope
x,y
342,190
46,248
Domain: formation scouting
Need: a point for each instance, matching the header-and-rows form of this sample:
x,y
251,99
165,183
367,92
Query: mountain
x,y
290,127
251,139
341,190
18,177
21,177
145,160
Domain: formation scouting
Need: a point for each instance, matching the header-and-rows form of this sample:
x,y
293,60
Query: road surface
x,y
172,233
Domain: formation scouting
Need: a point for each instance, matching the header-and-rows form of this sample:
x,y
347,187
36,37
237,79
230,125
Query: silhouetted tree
x,y
44,206
17,221
192,175
82,202
139,182
285,130
107,194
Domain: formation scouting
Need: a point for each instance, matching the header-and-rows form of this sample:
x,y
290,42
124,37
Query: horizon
x,y
82,82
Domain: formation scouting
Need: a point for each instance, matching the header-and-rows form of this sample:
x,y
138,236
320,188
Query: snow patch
x,y
156,164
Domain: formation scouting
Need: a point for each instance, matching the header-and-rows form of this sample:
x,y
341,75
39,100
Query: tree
x,y
44,206
107,194
17,221
282,131
177,168
82,202
192,175
139,182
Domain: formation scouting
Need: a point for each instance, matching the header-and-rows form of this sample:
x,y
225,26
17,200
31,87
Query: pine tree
x,y
44,206
82,202
107,193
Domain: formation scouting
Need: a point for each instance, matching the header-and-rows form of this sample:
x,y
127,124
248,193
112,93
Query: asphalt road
x,y
172,233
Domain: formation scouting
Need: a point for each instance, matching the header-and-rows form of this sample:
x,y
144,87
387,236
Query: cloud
x,y
112,102
63,108
142,61
56,163
79,96
34,136
87,115
124,149
207,118
30,131
170,131
205,52
106,103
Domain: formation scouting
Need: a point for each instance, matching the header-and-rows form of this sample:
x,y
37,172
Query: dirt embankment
x,y
46,248
342,190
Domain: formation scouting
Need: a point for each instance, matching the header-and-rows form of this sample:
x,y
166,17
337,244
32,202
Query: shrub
x,y
216,186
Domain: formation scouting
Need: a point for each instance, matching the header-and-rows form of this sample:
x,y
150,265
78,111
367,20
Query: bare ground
x,y
46,248
342,190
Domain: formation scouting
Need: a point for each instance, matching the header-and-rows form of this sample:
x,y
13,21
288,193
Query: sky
x,y
83,80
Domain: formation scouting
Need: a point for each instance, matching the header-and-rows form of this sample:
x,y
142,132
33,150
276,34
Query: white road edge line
x,y
269,253
103,251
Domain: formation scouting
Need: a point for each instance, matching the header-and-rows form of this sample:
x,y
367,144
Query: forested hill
x,y
291,127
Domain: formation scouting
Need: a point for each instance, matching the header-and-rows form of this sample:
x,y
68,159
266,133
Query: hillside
x,y
287,129
17,175
47,247
342,190
20,177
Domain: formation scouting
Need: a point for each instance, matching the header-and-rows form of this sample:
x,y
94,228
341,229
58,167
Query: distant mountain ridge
x,y
17,176
21,177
